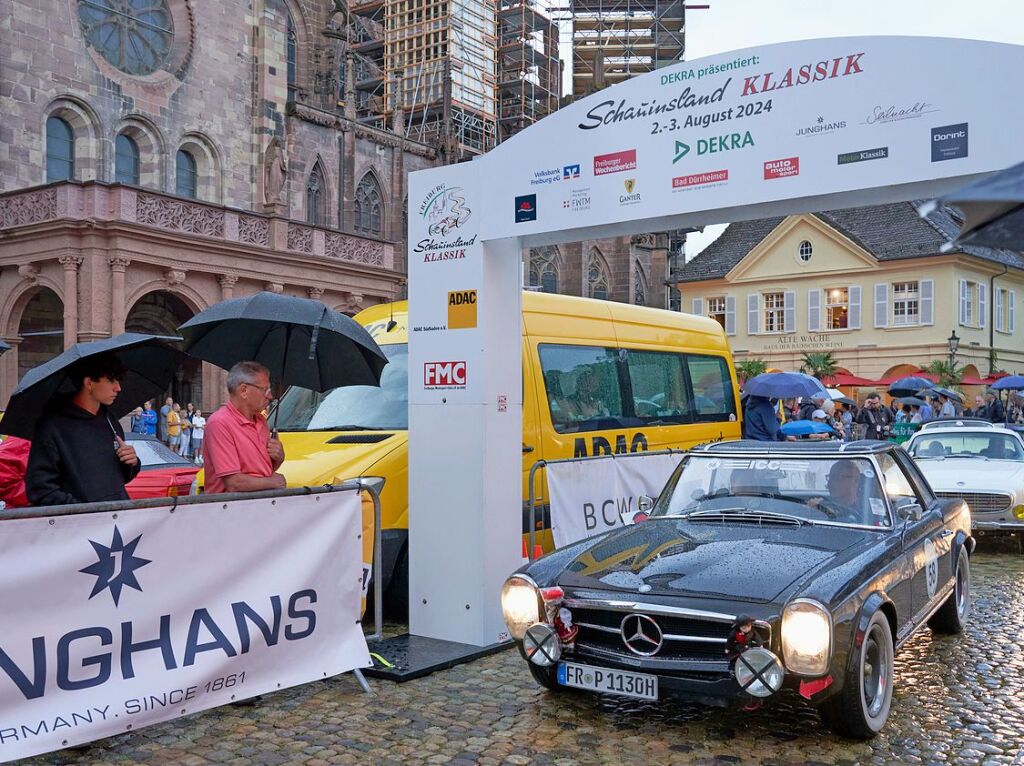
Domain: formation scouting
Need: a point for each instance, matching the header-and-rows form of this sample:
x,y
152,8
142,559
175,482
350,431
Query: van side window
x,y
659,387
713,397
583,387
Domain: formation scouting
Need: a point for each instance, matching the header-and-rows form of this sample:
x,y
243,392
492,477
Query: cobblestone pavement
x,y
958,700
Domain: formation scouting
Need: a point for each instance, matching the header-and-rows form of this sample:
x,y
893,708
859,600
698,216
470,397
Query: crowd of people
x,y
183,431
765,418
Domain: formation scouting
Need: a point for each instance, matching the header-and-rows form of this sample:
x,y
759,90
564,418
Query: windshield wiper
x,y
962,454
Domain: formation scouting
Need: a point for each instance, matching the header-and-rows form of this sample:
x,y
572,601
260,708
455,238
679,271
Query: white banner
x,y
112,621
588,496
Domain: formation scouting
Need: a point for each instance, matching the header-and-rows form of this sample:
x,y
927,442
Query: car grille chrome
x,y
981,502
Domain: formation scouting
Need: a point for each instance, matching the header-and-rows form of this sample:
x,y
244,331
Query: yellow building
x,y
871,284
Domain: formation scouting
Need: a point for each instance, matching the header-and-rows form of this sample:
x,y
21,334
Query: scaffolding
x,y
613,40
529,72
366,36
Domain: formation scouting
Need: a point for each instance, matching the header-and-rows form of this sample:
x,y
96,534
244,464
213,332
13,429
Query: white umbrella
x,y
835,393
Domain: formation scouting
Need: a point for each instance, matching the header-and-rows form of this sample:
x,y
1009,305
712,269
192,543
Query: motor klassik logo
x,y
445,211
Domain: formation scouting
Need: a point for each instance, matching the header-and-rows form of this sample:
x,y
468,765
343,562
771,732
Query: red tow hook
x,y
809,688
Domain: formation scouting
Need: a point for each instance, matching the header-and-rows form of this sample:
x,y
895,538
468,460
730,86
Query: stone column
x,y
118,309
70,264
219,378
227,286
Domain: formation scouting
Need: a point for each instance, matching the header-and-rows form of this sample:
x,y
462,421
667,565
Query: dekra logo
x,y
714,144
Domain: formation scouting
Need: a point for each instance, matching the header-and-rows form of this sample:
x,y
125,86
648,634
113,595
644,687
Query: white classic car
x,y
983,464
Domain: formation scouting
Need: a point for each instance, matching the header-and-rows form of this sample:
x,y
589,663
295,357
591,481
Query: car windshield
x,y
977,445
154,454
352,408
815,490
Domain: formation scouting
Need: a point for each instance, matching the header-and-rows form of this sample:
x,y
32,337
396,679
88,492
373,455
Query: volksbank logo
x,y
115,566
714,145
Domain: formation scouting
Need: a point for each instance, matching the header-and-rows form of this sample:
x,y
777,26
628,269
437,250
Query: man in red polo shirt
x,y
239,454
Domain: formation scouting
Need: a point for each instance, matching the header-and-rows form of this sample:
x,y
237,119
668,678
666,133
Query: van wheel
x,y
952,615
396,600
861,709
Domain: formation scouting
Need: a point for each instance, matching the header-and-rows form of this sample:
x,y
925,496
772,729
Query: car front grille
x,y
687,640
981,502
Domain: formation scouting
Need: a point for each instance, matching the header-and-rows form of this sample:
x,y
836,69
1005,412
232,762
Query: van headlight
x,y
521,605
806,638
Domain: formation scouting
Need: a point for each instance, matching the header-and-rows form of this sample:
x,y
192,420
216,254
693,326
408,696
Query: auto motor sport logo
x,y
91,655
782,168
445,211
710,178
444,375
616,162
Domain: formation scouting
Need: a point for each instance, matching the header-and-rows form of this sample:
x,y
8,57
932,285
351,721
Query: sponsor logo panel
x,y
632,196
949,142
444,375
570,172
616,162
526,208
445,211
884,114
724,142
712,177
784,168
880,153
545,176
578,200
820,127
461,309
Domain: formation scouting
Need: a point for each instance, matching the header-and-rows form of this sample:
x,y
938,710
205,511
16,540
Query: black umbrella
x,y
301,341
948,393
150,365
993,210
913,401
908,386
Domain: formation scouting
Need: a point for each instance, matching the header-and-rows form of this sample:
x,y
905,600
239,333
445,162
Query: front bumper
x,y
981,525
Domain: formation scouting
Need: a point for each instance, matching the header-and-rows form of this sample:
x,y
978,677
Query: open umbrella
x,y
4,347
913,401
785,385
1010,382
949,393
805,428
150,365
908,386
301,341
845,400
993,210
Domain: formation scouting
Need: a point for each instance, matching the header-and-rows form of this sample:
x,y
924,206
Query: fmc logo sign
x,y
437,375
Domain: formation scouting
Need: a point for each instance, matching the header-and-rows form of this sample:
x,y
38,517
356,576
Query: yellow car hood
x,y
324,457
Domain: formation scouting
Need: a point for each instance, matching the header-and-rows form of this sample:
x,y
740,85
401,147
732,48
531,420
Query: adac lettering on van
x,y
599,445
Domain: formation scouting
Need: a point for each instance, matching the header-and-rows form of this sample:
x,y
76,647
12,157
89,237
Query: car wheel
x,y
546,677
862,707
952,615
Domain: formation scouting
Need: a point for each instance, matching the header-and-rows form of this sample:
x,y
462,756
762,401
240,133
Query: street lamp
x,y
954,344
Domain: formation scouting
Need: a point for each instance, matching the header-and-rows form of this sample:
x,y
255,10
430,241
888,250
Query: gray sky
x,y
733,24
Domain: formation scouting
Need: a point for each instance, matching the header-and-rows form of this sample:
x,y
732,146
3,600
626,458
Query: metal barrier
x,y
369,484
532,495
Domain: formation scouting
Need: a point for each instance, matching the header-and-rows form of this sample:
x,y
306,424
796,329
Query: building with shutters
x,y
873,285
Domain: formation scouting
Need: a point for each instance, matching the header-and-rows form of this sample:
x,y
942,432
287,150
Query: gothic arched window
x,y
598,278
60,150
316,197
186,175
544,269
292,58
368,208
639,286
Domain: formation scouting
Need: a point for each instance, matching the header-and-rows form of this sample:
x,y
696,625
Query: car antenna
x,y
392,324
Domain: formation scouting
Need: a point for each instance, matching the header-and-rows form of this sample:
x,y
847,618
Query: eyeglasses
x,y
267,392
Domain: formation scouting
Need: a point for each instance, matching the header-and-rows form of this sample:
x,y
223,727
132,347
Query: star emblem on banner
x,y
115,566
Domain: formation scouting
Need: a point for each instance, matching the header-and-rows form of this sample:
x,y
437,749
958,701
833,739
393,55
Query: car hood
x,y
326,457
700,560
975,473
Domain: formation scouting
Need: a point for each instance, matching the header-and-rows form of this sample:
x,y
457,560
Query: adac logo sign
x,y
445,211
725,142
444,375
526,208
461,309
632,196
949,142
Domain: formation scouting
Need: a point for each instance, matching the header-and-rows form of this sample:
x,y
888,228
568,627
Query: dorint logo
x,y
461,309
115,566
438,375
526,208
949,142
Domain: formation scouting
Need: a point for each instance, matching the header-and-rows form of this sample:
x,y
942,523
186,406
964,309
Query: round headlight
x,y
806,638
1018,511
520,605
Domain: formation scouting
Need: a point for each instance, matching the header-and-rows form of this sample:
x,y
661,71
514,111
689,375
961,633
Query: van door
x,y
532,445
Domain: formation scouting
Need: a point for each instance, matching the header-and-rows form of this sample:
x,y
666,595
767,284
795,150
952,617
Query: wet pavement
x,y
958,700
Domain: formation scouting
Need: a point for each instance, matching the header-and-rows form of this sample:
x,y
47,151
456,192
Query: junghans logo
x,y
821,126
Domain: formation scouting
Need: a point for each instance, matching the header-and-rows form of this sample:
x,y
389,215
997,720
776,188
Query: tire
x,y
396,600
952,615
861,709
546,677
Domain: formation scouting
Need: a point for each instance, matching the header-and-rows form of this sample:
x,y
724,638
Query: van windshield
x,y
353,408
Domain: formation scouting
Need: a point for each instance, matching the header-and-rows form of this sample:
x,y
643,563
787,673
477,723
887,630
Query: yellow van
x,y
599,378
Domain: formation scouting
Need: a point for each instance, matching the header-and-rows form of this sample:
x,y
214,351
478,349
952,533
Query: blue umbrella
x,y
805,428
909,386
785,385
1010,381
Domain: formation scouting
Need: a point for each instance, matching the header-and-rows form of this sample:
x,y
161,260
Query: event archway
x,y
161,313
773,131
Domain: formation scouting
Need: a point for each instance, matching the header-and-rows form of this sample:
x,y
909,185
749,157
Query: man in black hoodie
x,y
79,454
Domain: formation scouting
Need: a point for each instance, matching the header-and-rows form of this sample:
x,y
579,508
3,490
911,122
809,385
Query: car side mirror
x,y
911,512
644,504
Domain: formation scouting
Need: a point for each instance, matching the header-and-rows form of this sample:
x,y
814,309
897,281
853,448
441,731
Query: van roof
x,y
376,318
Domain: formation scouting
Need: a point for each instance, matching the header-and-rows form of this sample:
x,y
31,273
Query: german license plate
x,y
608,681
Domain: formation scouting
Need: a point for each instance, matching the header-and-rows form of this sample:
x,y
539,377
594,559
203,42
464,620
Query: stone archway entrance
x,y
161,313
41,329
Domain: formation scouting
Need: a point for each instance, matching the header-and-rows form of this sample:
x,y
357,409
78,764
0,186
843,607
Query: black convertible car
x,y
760,566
